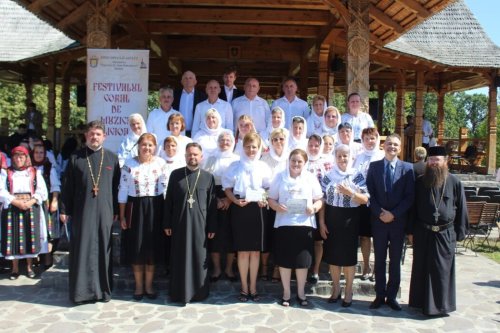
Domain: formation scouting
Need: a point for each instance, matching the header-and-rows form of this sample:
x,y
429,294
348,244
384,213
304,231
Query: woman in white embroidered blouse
x,y
315,120
345,190
142,188
294,229
128,147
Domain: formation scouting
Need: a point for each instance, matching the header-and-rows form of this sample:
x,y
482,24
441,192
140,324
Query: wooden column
x,y
323,69
358,50
492,127
304,77
419,108
51,101
400,109
65,106
440,114
331,90
380,115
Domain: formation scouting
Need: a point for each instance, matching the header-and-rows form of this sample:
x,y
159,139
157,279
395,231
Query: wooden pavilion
x,y
330,46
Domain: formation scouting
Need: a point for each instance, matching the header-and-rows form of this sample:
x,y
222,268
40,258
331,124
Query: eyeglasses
x,y
278,139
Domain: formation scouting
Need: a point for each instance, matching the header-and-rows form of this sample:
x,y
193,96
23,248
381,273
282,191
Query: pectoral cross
x,y
436,216
95,190
190,201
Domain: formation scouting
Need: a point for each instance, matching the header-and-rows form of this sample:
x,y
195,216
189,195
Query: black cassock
x,y
90,277
188,253
432,285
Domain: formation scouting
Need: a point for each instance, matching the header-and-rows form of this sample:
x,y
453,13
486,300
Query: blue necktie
x,y
388,177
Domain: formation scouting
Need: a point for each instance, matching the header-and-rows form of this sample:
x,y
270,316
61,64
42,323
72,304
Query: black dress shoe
x,y
215,278
393,304
153,295
377,303
335,299
138,297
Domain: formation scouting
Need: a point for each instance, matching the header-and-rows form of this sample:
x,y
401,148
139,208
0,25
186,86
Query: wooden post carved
x,y
492,127
400,109
419,108
98,28
380,116
358,50
440,114
51,100
65,106
323,69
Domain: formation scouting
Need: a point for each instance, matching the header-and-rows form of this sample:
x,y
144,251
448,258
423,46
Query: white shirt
x,y
359,122
297,107
229,93
283,188
225,111
186,108
21,184
257,108
158,123
427,131
55,183
143,180
241,176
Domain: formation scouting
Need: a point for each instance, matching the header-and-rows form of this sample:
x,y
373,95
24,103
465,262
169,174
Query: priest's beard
x,y
434,176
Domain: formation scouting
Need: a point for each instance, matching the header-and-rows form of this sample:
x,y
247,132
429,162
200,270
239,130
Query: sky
x,y
487,13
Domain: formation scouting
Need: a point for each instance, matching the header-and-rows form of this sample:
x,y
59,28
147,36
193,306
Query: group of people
x,y
245,180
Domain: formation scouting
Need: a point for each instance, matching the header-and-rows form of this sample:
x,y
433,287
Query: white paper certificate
x,y
296,206
253,195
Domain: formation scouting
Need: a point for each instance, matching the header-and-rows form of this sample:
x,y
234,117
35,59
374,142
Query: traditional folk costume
x,y
142,188
23,232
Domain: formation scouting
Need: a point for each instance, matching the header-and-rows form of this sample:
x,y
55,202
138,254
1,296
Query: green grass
x,y
490,251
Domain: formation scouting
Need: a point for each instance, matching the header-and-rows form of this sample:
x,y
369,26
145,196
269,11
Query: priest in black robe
x,y
90,200
440,220
190,219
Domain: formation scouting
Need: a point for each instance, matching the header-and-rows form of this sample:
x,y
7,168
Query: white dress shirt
x,y
297,107
186,108
257,108
224,109
157,123
359,122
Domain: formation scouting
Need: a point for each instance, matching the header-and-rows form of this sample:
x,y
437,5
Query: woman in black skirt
x,y
244,183
345,190
217,164
142,188
295,195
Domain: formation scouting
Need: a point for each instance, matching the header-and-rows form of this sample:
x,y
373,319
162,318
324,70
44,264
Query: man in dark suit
x,y
229,91
391,197
186,99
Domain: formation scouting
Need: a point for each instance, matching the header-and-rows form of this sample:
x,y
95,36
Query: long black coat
x,y
190,226
432,285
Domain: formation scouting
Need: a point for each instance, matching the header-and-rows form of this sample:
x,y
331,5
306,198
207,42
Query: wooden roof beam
x,y
209,29
339,8
76,15
385,20
296,4
37,5
415,7
219,15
